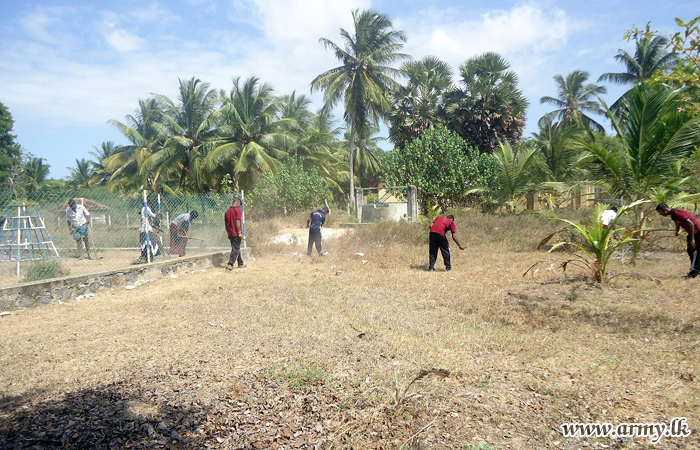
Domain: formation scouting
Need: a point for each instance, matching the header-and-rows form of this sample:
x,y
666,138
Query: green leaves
x,y
441,165
599,243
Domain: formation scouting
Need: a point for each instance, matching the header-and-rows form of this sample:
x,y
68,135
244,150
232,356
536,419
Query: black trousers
x,y
315,238
439,241
691,252
235,251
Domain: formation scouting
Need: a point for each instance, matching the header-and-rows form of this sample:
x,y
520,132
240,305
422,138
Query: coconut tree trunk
x,y
353,132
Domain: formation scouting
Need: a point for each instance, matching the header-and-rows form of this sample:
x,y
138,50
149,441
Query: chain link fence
x,y
37,241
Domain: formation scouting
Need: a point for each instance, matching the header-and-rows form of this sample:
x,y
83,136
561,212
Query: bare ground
x,y
297,352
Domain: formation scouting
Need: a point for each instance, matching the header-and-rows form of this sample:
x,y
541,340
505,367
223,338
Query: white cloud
x,y
123,41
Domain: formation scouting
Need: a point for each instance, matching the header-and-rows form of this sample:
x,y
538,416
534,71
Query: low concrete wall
x,y
27,295
379,212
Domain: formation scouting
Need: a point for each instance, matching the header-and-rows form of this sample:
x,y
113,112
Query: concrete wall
x,y
27,295
379,212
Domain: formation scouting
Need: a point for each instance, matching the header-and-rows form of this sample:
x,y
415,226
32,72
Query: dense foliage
x,y
290,190
10,150
441,165
209,140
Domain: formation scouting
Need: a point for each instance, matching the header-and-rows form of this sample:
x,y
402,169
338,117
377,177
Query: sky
x,y
67,67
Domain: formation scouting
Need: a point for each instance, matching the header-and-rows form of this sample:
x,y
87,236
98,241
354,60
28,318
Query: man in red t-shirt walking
x,y
683,219
234,228
438,229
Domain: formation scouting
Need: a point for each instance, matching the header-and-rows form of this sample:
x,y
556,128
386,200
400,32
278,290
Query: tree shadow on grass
x,y
108,417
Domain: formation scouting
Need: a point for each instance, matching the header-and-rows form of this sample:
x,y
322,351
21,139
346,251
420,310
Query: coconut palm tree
x,y
364,79
488,107
650,57
190,125
81,174
35,174
654,132
146,132
575,100
100,173
513,173
420,104
250,135
557,158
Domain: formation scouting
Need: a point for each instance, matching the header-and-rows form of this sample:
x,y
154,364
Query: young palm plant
x,y
600,243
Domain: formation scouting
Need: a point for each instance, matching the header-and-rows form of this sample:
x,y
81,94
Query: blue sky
x,y
69,66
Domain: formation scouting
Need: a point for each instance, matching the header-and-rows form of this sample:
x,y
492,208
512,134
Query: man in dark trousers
x,y
314,224
691,225
438,239
234,228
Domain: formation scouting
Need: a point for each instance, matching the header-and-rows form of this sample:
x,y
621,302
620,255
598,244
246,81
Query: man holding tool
x,y
683,219
78,221
234,229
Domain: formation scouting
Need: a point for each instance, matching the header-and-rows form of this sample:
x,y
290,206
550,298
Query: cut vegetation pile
x,y
296,352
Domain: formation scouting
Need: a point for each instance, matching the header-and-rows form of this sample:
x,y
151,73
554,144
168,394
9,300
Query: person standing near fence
x,y
148,242
78,221
314,223
179,227
234,229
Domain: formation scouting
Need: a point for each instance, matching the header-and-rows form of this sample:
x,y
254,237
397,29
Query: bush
x,y
45,268
290,190
441,165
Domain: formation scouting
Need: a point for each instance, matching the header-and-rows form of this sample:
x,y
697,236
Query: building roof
x,y
89,204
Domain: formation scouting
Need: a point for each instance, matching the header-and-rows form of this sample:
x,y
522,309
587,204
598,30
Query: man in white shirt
x,y
78,221
608,216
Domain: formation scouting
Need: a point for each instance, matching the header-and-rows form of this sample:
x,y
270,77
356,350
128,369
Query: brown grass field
x,y
296,352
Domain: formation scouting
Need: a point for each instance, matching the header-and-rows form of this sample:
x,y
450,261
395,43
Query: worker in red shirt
x,y
438,229
234,229
683,219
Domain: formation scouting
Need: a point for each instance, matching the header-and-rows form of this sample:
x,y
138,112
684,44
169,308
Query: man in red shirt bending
x,y
234,228
683,219
438,229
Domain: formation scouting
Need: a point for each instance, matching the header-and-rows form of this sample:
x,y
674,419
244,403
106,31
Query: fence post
x,y
243,216
412,199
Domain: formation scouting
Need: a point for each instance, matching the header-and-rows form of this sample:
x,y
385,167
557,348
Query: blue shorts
x,y
80,232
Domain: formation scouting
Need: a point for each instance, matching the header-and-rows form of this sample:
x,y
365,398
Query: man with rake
x,y
683,219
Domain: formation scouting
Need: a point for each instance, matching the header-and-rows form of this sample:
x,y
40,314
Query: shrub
x,y
45,268
290,190
441,165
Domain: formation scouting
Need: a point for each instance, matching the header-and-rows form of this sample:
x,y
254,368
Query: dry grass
x,y
333,350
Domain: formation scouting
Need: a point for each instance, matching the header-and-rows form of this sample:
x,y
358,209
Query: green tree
x,y
100,173
10,151
488,107
441,165
557,158
190,125
290,189
364,79
35,174
146,132
514,179
81,174
420,104
250,135
650,59
575,100
599,243
655,132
